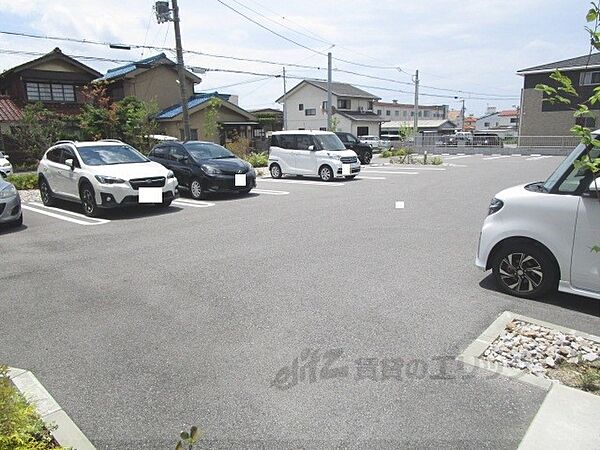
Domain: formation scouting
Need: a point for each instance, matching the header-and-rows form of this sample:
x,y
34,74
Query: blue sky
x,y
469,45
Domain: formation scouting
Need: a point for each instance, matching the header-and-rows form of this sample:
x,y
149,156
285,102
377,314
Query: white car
x,y
546,235
103,174
6,167
374,141
311,153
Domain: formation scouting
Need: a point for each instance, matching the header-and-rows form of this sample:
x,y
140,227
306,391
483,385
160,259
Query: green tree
x,y
135,122
39,129
211,119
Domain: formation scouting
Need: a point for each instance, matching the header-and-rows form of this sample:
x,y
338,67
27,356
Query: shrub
x,y
240,147
20,426
257,159
436,161
386,154
24,181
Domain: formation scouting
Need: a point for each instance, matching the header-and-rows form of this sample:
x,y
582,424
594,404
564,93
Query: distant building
x,y
55,79
430,126
352,107
271,119
405,111
542,118
504,123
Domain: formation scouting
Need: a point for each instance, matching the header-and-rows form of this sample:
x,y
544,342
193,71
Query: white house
x,y
505,122
353,108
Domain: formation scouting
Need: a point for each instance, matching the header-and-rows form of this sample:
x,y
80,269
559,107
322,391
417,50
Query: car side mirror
x,y
71,163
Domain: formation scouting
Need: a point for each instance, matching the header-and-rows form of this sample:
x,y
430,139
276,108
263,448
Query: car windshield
x,y
574,177
108,155
330,142
206,150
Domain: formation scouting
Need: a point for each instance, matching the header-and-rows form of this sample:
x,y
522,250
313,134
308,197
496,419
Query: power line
x,y
235,58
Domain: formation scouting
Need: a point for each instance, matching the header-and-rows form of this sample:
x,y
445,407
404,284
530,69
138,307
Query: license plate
x,y
346,169
240,179
150,195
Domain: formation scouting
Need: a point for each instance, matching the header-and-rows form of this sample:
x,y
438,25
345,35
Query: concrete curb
x,y
67,434
567,417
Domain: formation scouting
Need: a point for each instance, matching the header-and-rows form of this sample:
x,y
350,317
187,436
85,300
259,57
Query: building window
x,y
388,113
486,124
378,112
589,122
324,106
344,103
426,113
50,92
513,120
310,112
323,129
362,131
370,105
404,113
193,134
588,78
397,113
420,113
300,107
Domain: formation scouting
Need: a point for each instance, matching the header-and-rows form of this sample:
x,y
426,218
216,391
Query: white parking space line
x,y
308,183
458,157
192,203
392,172
402,167
535,158
269,192
63,215
399,205
496,157
362,177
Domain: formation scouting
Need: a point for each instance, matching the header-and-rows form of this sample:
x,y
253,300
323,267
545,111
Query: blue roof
x,y
195,100
118,72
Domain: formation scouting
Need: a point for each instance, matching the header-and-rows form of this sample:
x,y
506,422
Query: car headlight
x,y
334,156
6,164
170,174
109,180
8,192
210,170
495,206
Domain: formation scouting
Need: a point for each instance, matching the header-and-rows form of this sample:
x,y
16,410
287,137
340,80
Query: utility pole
x,y
329,105
181,71
416,118
462,116
285,115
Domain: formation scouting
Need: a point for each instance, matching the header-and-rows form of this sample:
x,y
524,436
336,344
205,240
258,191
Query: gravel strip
x,y
535,349
32,195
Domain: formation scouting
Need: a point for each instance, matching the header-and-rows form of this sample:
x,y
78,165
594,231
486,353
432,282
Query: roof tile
x,y
9,111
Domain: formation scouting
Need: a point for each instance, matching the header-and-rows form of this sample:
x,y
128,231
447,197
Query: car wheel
x,y
166,203
46,192
17,223
367,158
196,189
525,270
88,200
275,171
325,173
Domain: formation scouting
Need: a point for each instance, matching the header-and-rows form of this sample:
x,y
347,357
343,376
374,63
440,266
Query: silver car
x,y
10,205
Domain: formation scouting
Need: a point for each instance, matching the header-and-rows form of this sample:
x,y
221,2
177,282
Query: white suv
x,y
6,167
103,174
316,153
546,235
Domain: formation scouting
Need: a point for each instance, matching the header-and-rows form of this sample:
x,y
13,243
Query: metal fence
x,y
486,143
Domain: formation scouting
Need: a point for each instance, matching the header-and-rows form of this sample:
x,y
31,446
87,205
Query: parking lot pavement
x,y
231,316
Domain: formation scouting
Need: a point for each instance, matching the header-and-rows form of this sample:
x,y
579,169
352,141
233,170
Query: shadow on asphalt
x,y
8,229
569,301
128,213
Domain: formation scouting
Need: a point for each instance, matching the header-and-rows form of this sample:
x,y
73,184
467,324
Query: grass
x,y
21,428
584,376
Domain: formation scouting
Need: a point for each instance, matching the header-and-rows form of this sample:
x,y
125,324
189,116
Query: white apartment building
x,y
404,111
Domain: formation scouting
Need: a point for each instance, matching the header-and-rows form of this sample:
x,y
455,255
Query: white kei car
x,y
546,235
6,167
103,174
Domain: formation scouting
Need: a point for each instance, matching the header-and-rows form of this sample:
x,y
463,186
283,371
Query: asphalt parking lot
x,y
278,319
